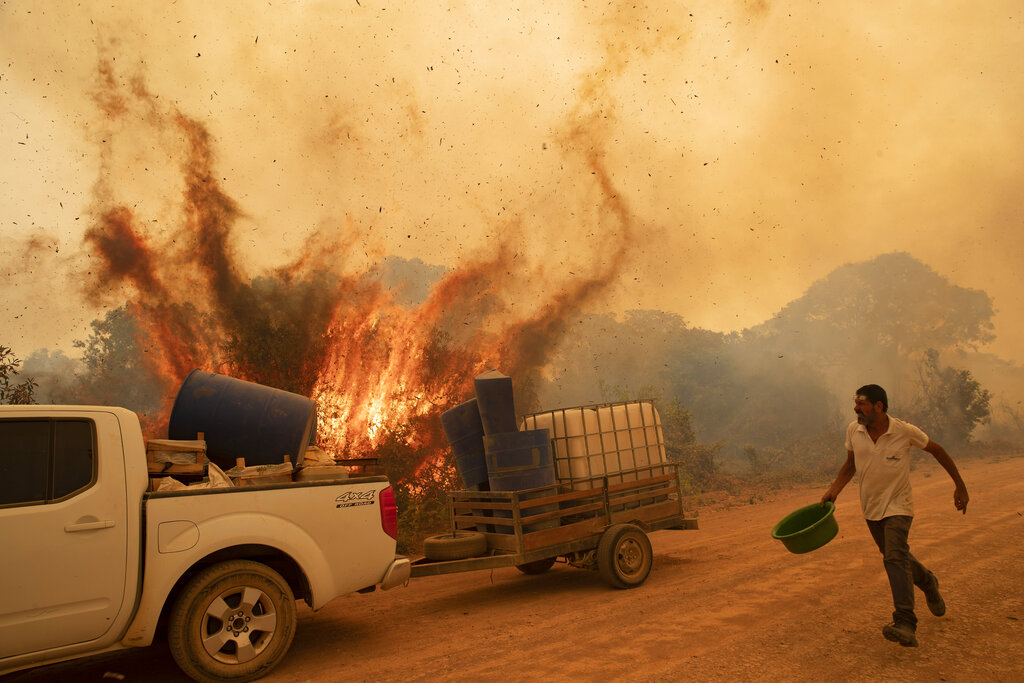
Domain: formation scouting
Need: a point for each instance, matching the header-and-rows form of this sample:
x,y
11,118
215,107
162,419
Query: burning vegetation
x,y
381,370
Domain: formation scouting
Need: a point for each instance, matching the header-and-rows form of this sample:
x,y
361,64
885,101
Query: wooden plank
x,y
667,509
505,542
592,492
638,494
478,496
592,510
522,495
461,505
464,498
643,494
644,498
540,502
483,506
595,510
179,445
465,521
557,536
171,468
640,482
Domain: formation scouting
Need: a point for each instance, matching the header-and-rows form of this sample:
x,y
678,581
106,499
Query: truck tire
x,y
537,566
624,556
457,546
234,621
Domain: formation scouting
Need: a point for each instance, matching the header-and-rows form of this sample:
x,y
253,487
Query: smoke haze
x,y
708,160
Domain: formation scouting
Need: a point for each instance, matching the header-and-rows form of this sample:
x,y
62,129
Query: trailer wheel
x,y
457,546
233,622
624,556
537,566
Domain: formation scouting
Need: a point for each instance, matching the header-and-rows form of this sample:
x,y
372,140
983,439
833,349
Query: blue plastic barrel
x,y
242,419
496,402
465,434
517,461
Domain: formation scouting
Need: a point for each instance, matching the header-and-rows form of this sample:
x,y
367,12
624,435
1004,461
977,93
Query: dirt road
x,y
726,602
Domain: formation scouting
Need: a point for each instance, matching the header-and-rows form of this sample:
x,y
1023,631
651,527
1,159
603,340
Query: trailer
x,y
600,524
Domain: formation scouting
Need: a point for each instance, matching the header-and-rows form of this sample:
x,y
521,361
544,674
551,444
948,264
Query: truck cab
x,y
94,561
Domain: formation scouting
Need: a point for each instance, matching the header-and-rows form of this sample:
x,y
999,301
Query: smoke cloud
x,y
708,160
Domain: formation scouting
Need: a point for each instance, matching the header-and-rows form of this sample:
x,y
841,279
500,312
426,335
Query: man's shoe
x,y
900,633
935,602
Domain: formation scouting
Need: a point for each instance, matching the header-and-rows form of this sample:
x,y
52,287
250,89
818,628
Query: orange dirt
x,y
726,602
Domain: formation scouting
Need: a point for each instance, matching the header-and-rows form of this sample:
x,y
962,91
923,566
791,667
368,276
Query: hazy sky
x,y
755,146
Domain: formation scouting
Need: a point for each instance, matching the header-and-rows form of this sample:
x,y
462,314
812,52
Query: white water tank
x,y
619,440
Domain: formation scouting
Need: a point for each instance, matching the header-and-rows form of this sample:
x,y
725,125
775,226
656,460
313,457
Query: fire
x,y
376,368
385,366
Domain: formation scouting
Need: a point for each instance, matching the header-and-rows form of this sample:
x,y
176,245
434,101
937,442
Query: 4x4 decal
x,y
350,499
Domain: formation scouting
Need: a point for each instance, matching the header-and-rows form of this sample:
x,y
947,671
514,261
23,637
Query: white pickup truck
x,y
93,561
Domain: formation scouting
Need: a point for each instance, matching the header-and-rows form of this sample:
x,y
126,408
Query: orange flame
x,y
374,366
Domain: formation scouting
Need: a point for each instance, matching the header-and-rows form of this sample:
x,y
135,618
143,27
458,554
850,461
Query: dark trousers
x,y
905,572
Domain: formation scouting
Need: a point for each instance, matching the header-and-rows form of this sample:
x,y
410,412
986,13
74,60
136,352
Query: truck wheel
x,y
537,566
624,556
457,546
233,622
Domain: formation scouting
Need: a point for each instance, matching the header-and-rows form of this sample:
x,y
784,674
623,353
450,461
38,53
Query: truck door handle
x,y
89,526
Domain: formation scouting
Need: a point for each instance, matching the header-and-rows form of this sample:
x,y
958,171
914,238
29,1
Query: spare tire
x,y
456,546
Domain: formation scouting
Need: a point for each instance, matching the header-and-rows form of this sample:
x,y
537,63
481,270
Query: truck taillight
x,y
389,513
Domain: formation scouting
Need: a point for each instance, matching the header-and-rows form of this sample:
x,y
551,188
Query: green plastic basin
x,y
808,528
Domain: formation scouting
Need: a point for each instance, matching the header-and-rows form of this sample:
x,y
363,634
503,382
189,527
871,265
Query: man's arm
x,y
846,473
960,496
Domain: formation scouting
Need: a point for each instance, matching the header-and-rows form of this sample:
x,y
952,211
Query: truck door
x,y
63,530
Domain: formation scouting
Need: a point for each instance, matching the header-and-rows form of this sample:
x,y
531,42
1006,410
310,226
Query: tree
x,y
681,445
14,394
55,372
950,403
115,370
877,318
275,330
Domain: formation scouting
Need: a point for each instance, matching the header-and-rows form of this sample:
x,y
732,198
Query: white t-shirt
x,y
884,467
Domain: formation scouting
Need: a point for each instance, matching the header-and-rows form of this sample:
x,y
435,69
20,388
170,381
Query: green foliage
x,y
950,402
20,393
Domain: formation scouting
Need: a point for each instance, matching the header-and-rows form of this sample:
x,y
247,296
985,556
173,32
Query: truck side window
x,y
24,460
72,457
44,460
